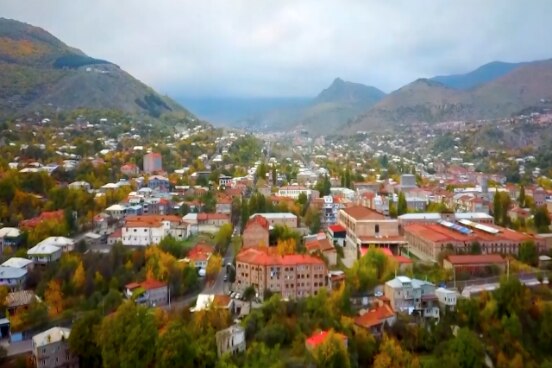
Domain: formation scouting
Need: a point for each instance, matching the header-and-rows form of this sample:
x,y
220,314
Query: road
x,y
217,287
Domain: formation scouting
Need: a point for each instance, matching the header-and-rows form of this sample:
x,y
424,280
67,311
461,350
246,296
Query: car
x,y
378,294
233,294
225,278
238,296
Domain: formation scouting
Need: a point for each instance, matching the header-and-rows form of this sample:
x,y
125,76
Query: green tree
x,y
521,198
402,207
542,220
176,347
128,337
528,253
466,349
82,340
223,237
475,248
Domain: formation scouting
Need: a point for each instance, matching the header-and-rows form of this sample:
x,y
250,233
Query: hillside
x,y
38,71
483,74
526,86
332,107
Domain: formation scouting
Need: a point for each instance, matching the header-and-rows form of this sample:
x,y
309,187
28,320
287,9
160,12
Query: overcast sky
x,y
292,48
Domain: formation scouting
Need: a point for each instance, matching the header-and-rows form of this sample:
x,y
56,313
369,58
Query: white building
x,y
13,278
408,295
116,211
18,262
447,298
145,230
63,243
44,254
293,191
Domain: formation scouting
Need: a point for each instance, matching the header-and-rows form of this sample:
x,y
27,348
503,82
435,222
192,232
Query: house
x,y
141,231
51,349
376,318
256,232
279,218
151,292
225,181
230,340
200,255
412,296
44,254
115,237
292,275
13,278
18,300
62,242
319,243
159,183
213,219
80,185
224,205
18,262
317,338
331,207
10,237
116,211
447,298
337,234
130,170
519,214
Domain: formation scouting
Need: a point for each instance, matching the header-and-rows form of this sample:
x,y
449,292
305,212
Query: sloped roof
x,y
375,316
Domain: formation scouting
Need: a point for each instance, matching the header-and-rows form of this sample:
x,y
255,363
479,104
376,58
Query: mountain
x,y
332,107
483,74
527,86
38,71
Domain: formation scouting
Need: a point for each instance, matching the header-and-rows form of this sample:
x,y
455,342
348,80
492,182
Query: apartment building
x,y
51,349
292,276
365,227
279,218
141,231
293,191
411,296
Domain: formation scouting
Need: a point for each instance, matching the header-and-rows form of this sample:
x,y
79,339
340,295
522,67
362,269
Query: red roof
x,y
257,220
363,213
469,259
440,234
117,233
375,316
152,284
336,228
44,216
320,336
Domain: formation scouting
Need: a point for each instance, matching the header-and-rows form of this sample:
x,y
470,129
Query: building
x,y
200,255
13,278
152,162
152,293
80,185
376,318
337,234
256,232
213,219
130,169
116,211
474,263
10,237
51,349
408,181
231,340
320,243
432,239
434,217
293,191
412,296
141,231
331,207
224,205
366,227
279,218
317,338
292,276
158,183
447,298
20,300
18,262
62,242
44,254
225,181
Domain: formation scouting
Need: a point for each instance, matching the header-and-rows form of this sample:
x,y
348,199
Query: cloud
x,y
291,47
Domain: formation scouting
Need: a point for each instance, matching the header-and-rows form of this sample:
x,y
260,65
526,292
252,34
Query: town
x,y
106,219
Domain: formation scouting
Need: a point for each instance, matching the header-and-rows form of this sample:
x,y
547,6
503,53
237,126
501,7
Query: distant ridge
x,y
483,74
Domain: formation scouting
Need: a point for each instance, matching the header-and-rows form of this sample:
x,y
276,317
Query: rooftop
x,y
265,256
50,336
320,336
468,259
375,316
363,213
440,234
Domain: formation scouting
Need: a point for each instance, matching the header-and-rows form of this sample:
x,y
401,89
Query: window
x,y
376,230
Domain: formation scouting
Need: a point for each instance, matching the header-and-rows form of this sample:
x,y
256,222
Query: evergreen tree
x,y
402,207
521,198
